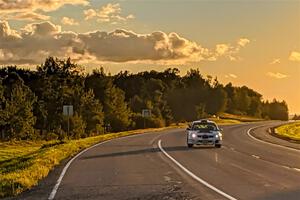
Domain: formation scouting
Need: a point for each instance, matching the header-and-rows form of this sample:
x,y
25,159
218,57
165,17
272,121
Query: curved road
x,y
135,168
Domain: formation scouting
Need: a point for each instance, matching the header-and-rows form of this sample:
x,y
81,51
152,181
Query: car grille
x,y
205,136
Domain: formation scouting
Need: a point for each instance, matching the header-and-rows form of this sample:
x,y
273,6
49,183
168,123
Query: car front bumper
x,y
200,141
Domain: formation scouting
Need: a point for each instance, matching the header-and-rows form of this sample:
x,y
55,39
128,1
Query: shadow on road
x,y
143,151
282,195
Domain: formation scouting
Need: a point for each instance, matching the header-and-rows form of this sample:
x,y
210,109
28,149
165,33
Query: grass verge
x,y
290,131
239,118
220,121
24,163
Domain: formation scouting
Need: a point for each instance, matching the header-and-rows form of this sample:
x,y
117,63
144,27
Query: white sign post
x,y
146,113
68,111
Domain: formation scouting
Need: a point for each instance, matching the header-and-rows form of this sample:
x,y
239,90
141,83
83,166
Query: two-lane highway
x,y
136,168
243,168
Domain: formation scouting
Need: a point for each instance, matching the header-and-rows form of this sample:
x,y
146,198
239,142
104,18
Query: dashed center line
x,y
255,156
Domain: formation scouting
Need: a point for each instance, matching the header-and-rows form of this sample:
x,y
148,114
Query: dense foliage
x,y
31,102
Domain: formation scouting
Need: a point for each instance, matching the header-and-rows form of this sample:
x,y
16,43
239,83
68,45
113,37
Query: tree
x,y
17,109
3,121
296,117
200,109
92,113
117,113
77,127
216,101
278,110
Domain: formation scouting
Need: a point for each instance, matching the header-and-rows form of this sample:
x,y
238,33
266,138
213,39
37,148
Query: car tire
x,y
190,145
218,145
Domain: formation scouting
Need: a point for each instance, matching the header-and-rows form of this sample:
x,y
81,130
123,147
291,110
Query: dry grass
x,y
240,118
291,131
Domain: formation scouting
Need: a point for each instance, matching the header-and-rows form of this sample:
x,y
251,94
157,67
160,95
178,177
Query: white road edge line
x,y
55,188
194,176
265,142
58,182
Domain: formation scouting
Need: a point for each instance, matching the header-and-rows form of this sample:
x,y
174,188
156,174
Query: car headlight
x,y
219,135
194,135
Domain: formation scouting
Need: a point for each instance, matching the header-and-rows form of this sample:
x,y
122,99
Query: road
x,y
135,168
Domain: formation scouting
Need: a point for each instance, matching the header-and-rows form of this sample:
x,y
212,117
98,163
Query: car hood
x,y
205,132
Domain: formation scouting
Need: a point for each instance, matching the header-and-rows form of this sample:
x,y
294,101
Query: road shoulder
x,y
266,136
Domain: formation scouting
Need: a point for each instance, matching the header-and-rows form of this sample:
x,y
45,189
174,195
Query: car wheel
x,y
190,145
218,145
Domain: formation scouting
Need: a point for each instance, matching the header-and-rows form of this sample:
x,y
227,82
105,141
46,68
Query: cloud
x,y
12,6
33,43
27,10
69,21
110,12
275,61
277,75
25,16
222,49
6,32
230,76
294,56
89,14
243,42
230,51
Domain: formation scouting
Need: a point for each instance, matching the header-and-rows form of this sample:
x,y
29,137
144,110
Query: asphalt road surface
x,y
136,168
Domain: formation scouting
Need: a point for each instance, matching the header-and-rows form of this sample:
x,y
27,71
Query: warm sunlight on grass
x,y
291,131
23,163
225,121
241,118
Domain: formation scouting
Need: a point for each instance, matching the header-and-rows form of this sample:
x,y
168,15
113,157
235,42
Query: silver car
x,y
204,132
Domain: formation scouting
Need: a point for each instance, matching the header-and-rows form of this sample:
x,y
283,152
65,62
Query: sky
x,y
247,42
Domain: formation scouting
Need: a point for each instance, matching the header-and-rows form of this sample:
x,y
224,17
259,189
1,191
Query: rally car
x,y
204,132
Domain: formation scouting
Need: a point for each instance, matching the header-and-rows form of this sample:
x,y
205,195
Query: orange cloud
x,y
277,75
275,61
13,6
69,21
230,76
110,12
27,10
36,41
294,56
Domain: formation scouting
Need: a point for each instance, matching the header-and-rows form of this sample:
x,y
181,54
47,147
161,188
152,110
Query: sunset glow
x,y
253,43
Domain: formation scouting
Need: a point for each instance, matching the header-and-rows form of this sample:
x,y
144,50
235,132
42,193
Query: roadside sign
x,y
146,113
68,110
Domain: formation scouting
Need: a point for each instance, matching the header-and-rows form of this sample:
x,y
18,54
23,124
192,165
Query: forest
x,y
31,101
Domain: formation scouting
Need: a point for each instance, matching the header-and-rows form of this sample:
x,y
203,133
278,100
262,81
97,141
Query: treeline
x,y
31,102
296,117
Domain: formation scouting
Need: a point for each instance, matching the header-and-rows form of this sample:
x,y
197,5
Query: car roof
x,y
204,121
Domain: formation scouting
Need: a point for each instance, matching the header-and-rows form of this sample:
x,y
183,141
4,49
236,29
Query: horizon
x,y
220,38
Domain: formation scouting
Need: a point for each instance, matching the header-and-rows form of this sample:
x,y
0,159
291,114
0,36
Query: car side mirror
x,y
188,128
220,129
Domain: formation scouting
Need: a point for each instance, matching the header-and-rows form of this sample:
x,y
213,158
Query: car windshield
x,y
204,127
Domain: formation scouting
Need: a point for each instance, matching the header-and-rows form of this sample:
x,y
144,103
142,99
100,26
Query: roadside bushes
x,y
147,122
